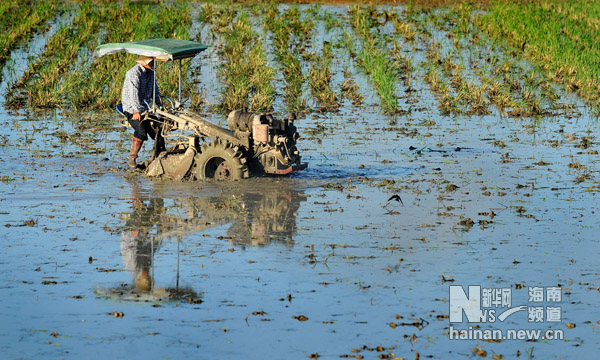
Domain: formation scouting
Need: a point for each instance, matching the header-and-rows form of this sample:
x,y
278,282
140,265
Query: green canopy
x,y
167,49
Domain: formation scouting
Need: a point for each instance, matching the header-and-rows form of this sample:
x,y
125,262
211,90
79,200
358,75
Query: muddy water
x,y
97,260
231,267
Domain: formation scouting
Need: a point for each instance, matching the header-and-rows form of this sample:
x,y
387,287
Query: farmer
x,y
137,88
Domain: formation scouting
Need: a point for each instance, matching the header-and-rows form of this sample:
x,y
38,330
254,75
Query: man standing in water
x,y
137,88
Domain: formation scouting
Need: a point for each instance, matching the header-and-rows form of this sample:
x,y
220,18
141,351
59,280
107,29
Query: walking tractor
x,y
187,146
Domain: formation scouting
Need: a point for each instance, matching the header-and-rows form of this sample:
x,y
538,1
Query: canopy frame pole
x,y
177,284
179,81
152,264
154,84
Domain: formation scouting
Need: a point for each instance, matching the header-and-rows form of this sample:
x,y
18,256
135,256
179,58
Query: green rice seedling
x,y
207,13
432,77
319,78
468,94
68,74
555,36
6,8
474,91
98,84
532,79
509,74
433,54
531,101
407,30
350,89
46,88
471,95
261,81
175,21
404,66
374,59
294,80
289,35
347,42
384,78
245,72
477,102
319,74
219,17
361,20
22,19
548,92
313,11
498,94
416,17
517,89
331,21
447,102
448,65
459,19
435,71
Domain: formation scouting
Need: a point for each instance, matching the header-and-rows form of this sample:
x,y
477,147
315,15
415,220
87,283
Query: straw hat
x,y
144,60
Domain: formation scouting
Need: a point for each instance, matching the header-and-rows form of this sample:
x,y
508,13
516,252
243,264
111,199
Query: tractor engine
x,y
272,142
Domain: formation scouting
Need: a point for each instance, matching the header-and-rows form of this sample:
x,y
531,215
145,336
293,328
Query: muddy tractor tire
x,y
219,160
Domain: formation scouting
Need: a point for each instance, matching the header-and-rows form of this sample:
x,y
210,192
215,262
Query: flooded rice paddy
x,y
351,258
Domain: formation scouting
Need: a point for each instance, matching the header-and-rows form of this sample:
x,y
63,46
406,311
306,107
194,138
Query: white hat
x,y
144,60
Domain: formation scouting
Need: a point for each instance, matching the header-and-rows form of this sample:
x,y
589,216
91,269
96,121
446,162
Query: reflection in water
x,y
137,243
257,216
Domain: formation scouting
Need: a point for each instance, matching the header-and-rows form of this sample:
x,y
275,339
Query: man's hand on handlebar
x,y
136,116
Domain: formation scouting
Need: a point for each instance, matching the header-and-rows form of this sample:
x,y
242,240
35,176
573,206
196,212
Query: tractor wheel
x,y
219,160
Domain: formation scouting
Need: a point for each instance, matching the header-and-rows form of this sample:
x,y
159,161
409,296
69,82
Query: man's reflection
x,y
137,259
256,217
138,242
